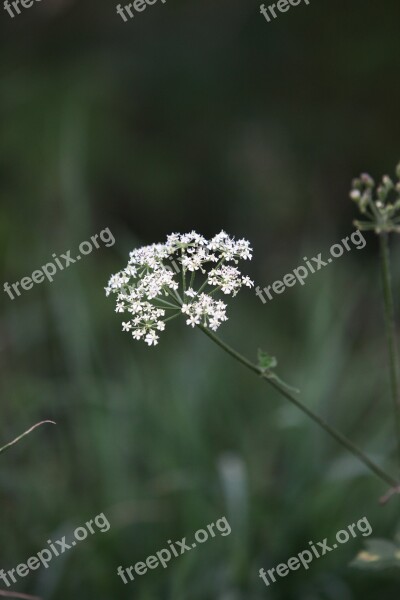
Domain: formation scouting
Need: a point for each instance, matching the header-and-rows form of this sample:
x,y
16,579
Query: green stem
x,y
175,296
391,333
169,304
183,275
215,290
341,439
206,281
173,317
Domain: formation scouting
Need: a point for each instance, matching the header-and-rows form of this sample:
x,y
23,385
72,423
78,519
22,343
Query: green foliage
x,y
204,119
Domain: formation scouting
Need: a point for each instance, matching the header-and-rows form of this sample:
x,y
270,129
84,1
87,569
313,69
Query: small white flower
x,y
130,270
247,281
126,326
138,333
191,293
151,338
193,320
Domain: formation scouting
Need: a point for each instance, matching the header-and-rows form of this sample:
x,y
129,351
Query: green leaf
x,y
265,361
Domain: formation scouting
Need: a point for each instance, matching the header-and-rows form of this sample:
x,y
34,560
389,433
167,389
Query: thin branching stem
x,y
172,317
183,274
220,263
170,304
340,438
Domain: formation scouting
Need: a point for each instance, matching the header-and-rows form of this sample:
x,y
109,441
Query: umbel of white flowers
x,y
149,290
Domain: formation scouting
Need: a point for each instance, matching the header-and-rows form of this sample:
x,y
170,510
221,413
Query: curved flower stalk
x,y
381,207
148,287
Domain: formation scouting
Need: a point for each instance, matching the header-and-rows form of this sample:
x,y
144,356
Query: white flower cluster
x,y
205,311
148,287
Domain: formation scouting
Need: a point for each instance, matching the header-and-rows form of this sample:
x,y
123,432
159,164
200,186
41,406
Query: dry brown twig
x,y
17,439
17,595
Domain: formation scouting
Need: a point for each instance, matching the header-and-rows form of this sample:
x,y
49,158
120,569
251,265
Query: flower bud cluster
x,y
380,205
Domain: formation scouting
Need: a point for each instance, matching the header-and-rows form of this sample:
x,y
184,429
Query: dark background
x,y
194,115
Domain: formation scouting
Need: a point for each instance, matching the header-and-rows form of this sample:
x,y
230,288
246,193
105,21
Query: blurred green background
x,y
194,115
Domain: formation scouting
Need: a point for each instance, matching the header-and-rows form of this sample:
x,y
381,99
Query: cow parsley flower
x,y
201,269
153,292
